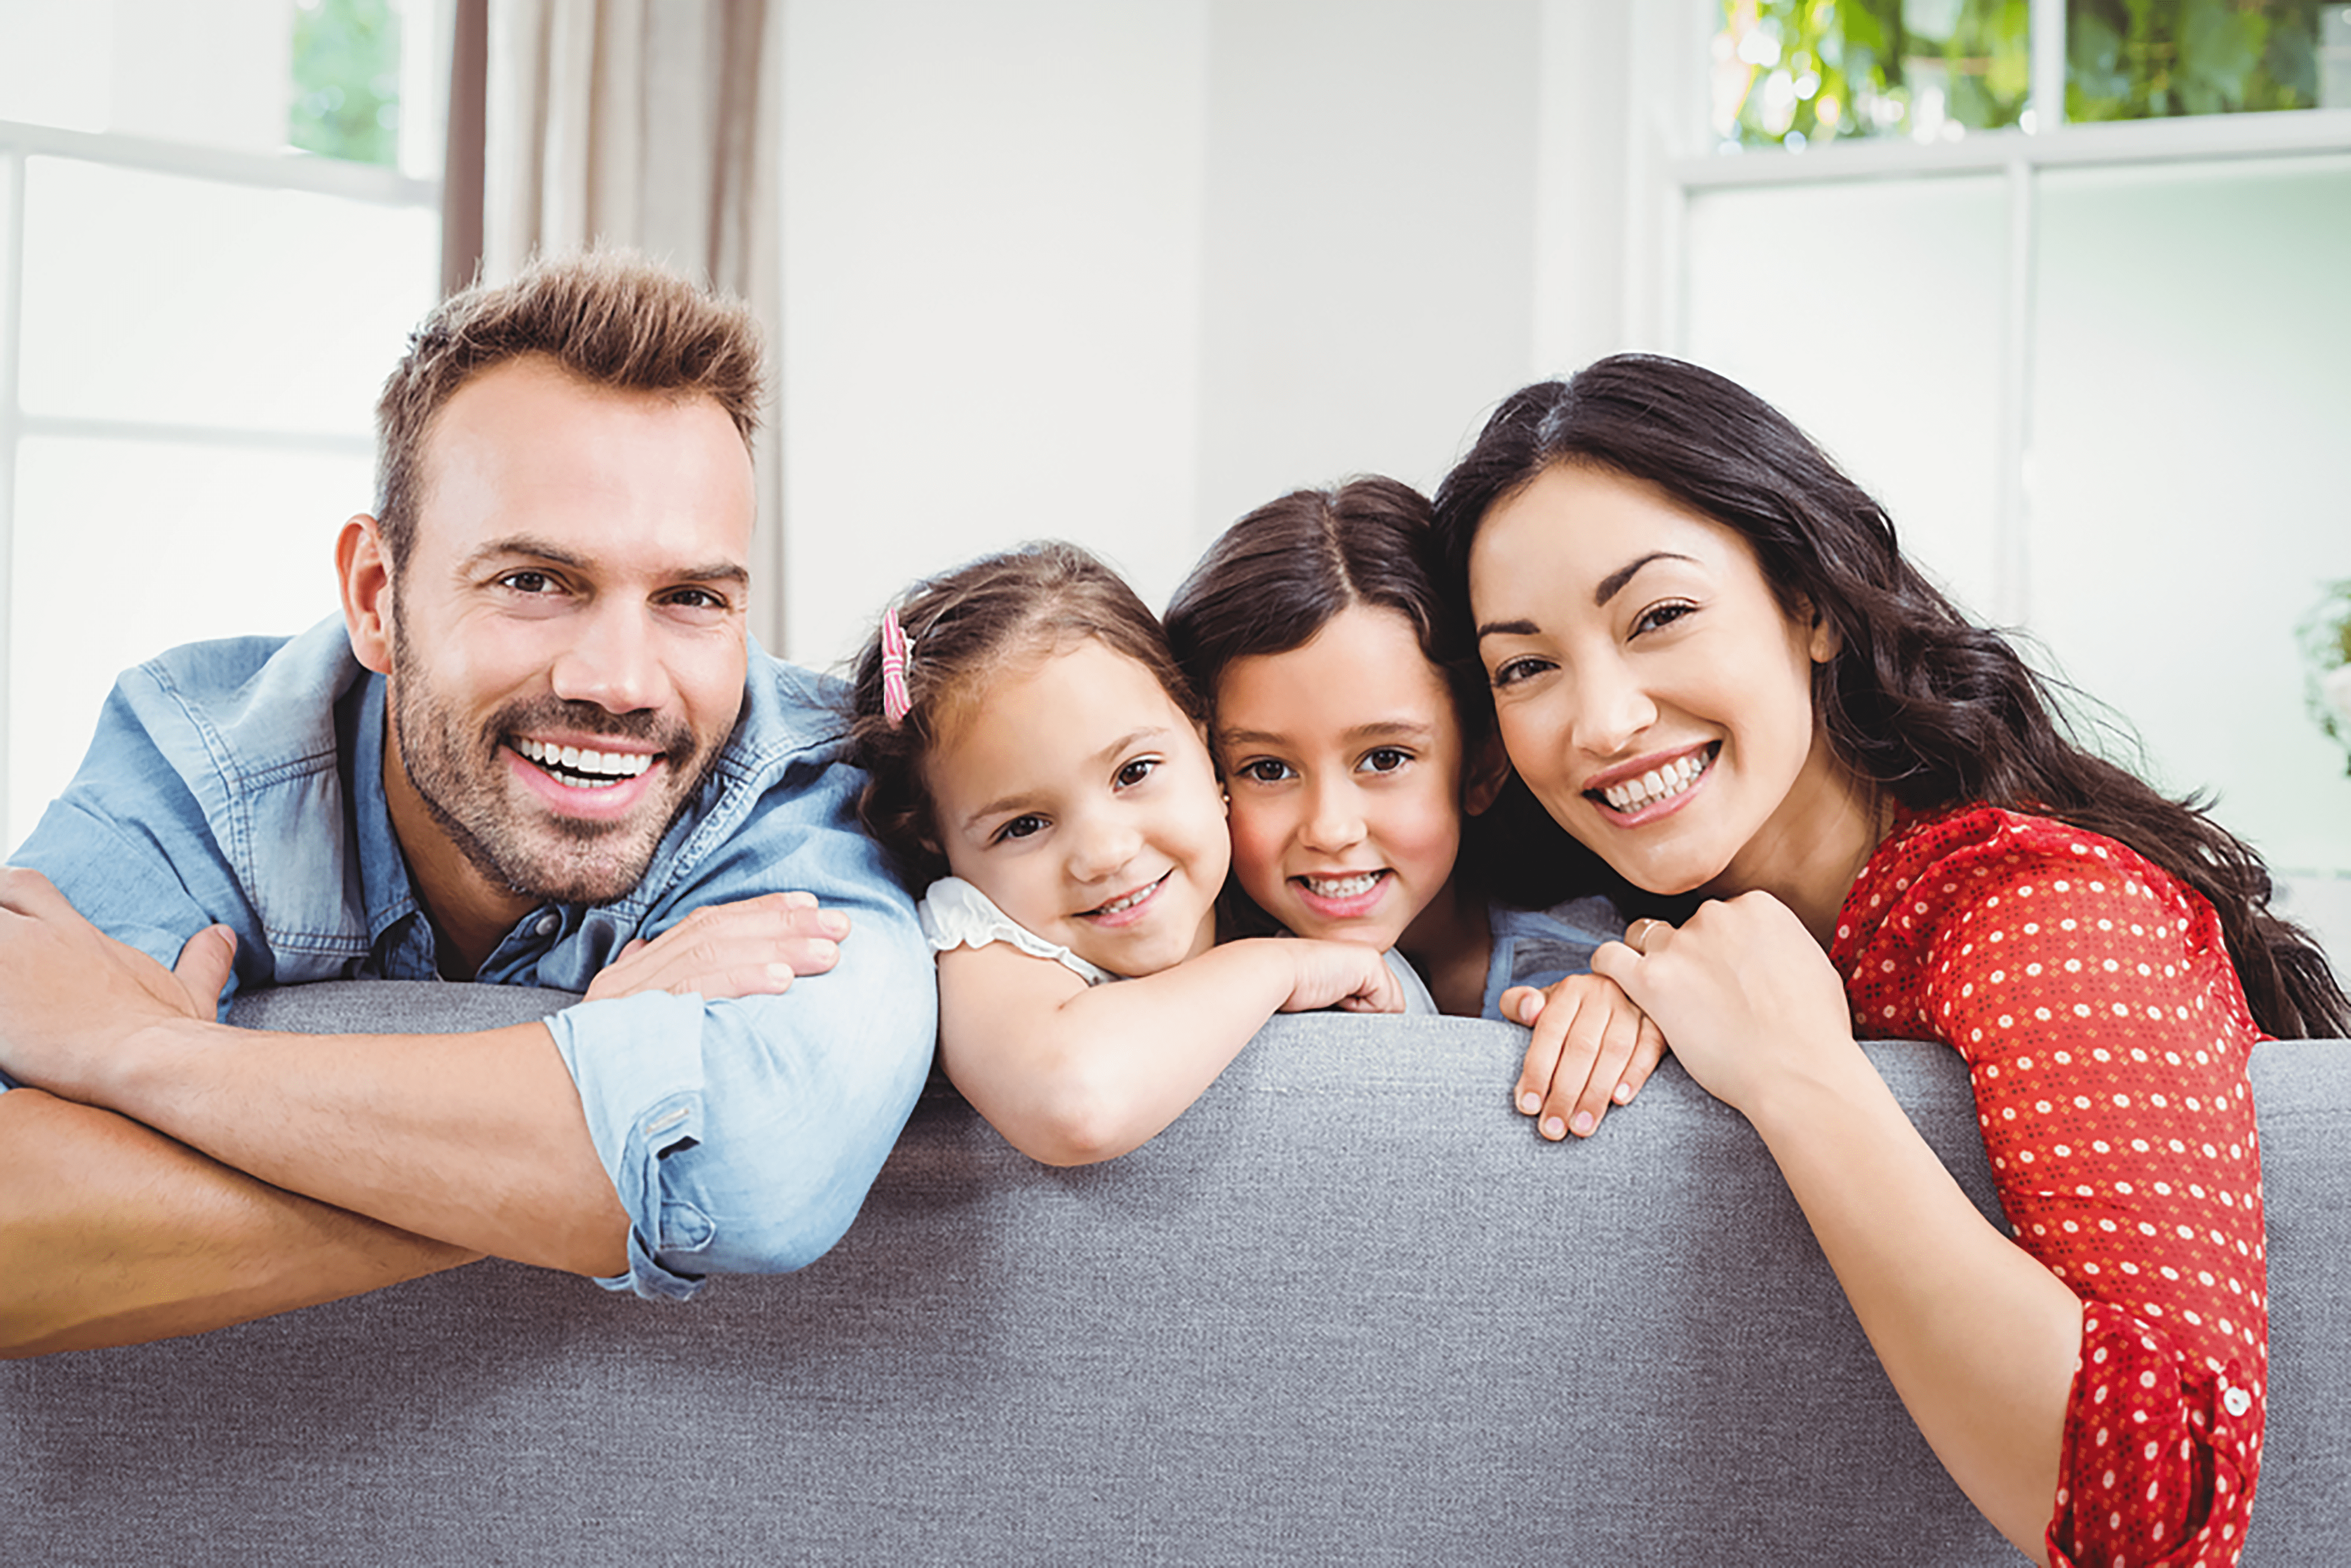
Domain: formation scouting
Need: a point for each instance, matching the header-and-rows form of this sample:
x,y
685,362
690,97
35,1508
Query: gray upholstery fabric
x,y
1349,1310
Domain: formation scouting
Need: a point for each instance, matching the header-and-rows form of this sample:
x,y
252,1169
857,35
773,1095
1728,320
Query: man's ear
x,y
365,574
1483,773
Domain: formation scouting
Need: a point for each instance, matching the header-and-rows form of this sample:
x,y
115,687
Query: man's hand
x,y
69,994
753,947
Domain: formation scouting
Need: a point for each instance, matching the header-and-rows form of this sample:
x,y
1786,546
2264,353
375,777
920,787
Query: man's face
x,y
566,638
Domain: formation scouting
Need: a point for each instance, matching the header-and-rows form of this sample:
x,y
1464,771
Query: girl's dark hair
x,y
1274,580
1918,700
963,629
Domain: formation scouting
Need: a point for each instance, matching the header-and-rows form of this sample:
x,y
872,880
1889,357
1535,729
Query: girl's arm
x,y
1589,1048
1072,1074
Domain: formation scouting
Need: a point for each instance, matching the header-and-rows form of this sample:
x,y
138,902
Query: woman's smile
x,y
1655,695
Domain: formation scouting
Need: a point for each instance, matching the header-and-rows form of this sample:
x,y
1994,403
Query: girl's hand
x,y
1742,990
749,948
1344,975
1592,1047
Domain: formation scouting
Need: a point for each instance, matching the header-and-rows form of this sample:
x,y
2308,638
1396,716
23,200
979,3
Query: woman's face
x,y
1650,689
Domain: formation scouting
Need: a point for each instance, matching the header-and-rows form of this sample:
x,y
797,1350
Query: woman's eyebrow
x,y
1609,587
1615,581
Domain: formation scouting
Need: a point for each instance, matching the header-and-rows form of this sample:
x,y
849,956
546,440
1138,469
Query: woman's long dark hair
x,y
1918,700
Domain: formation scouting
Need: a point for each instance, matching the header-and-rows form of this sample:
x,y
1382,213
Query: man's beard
x,y
461,778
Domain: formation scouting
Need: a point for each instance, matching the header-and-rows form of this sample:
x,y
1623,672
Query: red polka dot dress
x,y
2106,1037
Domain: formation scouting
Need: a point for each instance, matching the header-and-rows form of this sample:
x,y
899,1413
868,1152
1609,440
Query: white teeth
x,y
1341,886
1659,783
594,770
1128,901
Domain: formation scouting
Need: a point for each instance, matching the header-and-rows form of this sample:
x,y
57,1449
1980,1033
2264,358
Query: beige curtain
x,y
650,124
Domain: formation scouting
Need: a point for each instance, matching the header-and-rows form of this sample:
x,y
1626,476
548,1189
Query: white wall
x,y
1118,270
992,240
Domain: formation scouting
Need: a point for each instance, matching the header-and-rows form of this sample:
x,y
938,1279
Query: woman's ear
x,y
1487,768
1824,642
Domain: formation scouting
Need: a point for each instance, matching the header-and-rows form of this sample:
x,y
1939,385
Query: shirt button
x,y
2236,1400
547,925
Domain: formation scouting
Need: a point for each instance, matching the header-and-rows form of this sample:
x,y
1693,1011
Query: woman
x,y
1715,671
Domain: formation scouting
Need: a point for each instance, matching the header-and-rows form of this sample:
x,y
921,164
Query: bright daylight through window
x,y
218,219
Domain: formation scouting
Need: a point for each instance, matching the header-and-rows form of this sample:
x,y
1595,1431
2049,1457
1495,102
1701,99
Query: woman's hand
x,y
1591,1048
1344,975
1742,990
749,948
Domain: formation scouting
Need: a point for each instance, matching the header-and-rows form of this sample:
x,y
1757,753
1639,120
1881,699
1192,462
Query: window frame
x,y
1695,166
19,144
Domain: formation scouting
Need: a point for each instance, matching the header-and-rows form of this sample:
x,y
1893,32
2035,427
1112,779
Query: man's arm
x,y
476,1140
112,1234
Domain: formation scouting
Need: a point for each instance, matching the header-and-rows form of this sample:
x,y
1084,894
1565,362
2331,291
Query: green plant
x,y
2326,637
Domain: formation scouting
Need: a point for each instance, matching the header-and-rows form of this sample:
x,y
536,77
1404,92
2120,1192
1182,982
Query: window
x,y
193,316
2098,362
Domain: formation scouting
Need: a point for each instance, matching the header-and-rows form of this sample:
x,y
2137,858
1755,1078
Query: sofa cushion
x,y
1349,1309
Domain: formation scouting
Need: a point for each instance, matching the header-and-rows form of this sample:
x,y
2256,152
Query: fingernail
x,y
834,923
780,973
1553,1128
1624,1095
1583,1123
1529,1102
824,952
799,900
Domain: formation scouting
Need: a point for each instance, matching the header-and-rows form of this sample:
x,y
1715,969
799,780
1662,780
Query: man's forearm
x,y
112,1234
476,1140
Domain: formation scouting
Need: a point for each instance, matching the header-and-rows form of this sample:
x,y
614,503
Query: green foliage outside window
x,y
2141,59
1797,72
1794,72
347,80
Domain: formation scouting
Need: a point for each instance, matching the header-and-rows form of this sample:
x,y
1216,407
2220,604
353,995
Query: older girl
x,y
1713,667
1349,722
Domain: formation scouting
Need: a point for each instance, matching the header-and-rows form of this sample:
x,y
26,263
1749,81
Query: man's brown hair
x,y
612,319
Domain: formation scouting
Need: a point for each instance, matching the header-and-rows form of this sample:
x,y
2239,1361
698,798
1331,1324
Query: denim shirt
x,y
1543,946
241,782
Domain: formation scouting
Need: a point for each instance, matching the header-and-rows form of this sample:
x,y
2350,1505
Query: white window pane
x,y
1871,314
123,549
154,297
2193,395
55,67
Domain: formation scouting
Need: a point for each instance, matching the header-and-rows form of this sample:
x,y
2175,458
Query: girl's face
x,y
1345,763
1079,797
1652,692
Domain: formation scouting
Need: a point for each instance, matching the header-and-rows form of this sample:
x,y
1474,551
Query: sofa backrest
x,y
1349,1309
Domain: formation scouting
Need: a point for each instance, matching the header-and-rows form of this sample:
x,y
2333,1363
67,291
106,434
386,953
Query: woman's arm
x,y
1072,1074
2107,1042
1978,1338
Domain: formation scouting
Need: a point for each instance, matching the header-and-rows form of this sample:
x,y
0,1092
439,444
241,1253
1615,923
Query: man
x,y
539,735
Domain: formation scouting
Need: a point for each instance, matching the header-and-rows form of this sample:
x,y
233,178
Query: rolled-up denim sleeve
x,y
742,1135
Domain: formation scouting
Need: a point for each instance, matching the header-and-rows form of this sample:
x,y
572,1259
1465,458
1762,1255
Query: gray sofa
x,y
1348,1310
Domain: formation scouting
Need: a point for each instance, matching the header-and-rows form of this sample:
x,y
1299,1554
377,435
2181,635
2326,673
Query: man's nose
x,y
611,661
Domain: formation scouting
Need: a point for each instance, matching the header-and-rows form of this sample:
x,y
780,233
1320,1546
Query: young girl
x,y
1719,677
1338,680
1038,765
